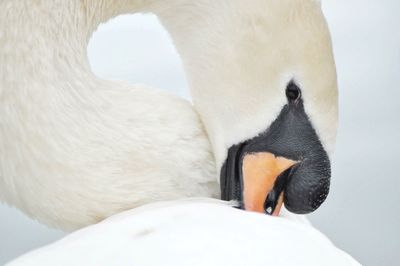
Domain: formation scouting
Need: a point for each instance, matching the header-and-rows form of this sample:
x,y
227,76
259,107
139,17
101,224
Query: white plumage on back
x,y
196,232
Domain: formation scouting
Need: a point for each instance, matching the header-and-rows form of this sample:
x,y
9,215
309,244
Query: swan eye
x,y
293,92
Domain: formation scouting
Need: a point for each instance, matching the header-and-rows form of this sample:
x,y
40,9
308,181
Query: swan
x,y
76,149
195,232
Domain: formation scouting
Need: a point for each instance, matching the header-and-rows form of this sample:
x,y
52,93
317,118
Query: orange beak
x,y
260,171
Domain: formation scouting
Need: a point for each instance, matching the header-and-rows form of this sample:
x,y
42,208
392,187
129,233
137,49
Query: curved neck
x,y
63,130
211,37
59,33
198,33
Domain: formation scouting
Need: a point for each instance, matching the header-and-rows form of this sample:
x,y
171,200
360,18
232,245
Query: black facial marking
x,y
292,136
231,188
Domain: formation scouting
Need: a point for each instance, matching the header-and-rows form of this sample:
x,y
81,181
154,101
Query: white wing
x,y
198,232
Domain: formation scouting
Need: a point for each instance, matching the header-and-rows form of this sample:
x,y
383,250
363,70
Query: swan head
x,y
282,127
287,163
264,83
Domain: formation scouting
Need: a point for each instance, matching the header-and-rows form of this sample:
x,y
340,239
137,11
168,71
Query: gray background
x,y
361,214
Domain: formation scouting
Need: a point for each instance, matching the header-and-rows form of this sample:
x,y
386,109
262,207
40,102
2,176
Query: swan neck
x,y
200,31
52,35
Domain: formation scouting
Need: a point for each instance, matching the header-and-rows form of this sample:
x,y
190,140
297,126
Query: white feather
x,y
76,149
197,232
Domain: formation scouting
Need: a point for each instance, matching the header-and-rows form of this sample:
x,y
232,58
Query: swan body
x,y
196,232
76,149
104,146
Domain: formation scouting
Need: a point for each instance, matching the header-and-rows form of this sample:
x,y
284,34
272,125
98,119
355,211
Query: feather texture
x,y
196,232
